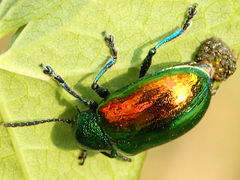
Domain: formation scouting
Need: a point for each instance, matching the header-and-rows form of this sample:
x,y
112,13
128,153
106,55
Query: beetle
x,y
152,110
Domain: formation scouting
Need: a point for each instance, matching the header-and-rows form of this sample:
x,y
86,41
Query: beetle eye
x,y
220,56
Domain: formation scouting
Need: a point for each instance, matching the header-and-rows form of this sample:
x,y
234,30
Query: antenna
x,y
32,123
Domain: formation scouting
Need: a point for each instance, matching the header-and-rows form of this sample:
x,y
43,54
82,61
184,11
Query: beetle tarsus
x,y
110,42
192,11
125,158
114,154
82,157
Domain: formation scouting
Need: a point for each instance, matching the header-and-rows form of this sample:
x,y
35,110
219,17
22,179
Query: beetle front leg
x,y
49,71
102,91
148,59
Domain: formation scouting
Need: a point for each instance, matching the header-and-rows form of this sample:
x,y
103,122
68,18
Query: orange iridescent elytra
x,y
156,100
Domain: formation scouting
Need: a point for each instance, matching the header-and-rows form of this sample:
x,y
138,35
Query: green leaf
x,y
66,34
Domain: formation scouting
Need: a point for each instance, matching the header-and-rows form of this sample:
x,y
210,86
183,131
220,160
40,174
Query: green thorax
x,y
88,133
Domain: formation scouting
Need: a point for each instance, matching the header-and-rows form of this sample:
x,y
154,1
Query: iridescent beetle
x,y
154,109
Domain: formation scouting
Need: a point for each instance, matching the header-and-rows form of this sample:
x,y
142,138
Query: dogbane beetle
x,y
152,110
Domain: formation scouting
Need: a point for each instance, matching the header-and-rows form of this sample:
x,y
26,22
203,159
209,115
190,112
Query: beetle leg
x,y
125,158
114,154
49,71
148,59
102,91
82,157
